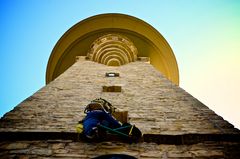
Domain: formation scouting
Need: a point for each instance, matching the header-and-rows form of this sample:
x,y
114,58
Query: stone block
x,y
121,116
111,88
16,145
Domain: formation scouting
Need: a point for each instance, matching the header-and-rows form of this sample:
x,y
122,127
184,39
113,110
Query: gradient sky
x,y
204,35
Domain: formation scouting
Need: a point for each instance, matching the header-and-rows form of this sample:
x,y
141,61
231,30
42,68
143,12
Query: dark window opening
x,y
143,59
112,74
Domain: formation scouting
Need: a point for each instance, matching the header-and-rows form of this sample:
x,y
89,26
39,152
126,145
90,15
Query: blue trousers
x,y
96,117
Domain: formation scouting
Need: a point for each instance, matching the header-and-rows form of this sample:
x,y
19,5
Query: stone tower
x,y
174,123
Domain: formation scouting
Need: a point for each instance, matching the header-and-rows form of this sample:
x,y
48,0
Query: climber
x,y
99,122
95,118
98,112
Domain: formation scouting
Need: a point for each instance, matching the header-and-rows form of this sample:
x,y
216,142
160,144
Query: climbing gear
x,y
79,128
100,124
130,132
115,131
100,104
127,131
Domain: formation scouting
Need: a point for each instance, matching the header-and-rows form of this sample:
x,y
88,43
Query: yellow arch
x,y
78,39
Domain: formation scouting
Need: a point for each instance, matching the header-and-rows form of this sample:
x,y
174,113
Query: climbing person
x,y
98,113
99,122
95,118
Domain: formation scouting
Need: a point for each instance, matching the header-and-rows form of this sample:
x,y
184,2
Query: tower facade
x,y
174,123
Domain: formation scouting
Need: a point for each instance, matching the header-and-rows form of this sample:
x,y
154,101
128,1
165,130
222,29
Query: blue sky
x,y
203,34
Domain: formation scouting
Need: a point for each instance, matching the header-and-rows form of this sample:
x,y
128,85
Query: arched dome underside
x,y
113,50
79,38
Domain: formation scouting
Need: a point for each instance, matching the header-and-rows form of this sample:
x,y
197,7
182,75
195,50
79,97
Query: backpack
x,y
100,104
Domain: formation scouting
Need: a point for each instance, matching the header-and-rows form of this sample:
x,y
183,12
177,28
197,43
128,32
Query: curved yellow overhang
x,y
78,39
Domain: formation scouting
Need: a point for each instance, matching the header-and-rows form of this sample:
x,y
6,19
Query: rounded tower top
x,y
128,37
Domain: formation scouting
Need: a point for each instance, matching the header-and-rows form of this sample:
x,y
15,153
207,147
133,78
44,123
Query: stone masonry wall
x,y
155,105
56,149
